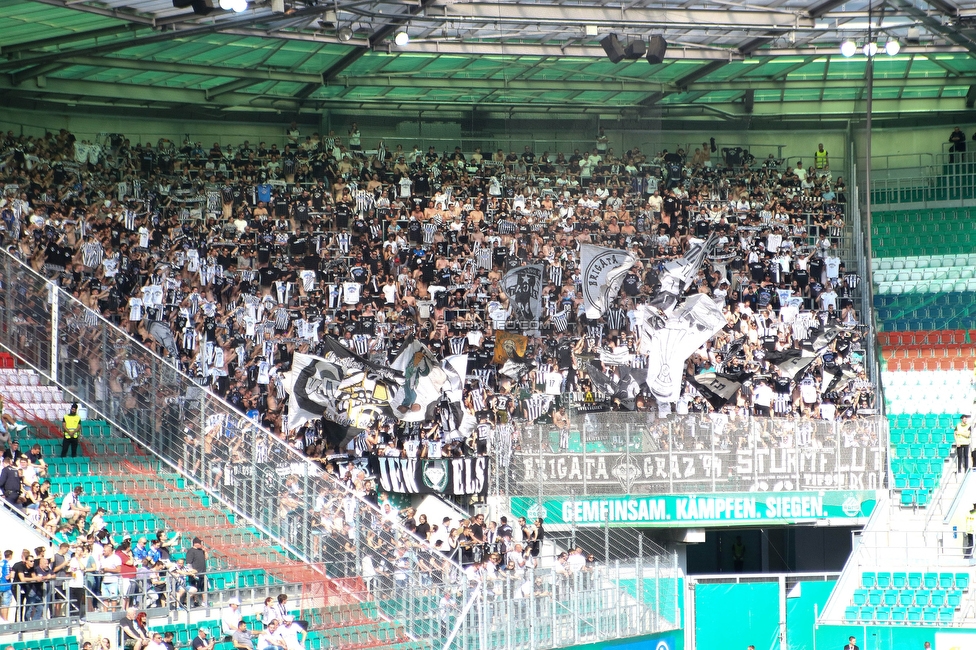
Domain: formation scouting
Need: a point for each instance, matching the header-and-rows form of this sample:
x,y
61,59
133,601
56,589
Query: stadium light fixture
x,y
402,39
848,48
226,5
892,48
870,49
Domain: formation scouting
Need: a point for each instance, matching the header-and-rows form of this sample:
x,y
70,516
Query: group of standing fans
x,y
233,258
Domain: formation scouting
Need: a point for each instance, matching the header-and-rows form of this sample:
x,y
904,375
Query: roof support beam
x,y
824,7
189,68
139,37
375,39
33,72
57,41
694,75
643,17
229,87
935,25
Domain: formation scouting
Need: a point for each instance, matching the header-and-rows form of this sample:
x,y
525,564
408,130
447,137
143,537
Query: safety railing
x,y
244,467
248,470
624,453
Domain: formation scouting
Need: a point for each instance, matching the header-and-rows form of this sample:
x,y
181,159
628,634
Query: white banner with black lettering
x,y
603,272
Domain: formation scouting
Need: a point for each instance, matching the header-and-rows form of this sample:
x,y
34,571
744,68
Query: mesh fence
x,y
638,453
316,519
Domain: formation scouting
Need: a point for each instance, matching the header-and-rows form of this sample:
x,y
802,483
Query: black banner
x,y
456,476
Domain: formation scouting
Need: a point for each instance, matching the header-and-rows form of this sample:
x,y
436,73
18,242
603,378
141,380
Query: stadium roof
x,y
500,56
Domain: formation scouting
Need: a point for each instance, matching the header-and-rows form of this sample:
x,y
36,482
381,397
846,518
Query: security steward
x,y
71,430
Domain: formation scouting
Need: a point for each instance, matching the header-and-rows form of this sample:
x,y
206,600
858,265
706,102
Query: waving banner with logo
x,y
603,272
523,286
451,476
340,386
697,320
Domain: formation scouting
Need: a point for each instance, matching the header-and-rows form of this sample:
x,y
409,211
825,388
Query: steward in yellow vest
x,y
71,430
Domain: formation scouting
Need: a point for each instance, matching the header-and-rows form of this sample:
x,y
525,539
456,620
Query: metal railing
x,y
637,453
248,470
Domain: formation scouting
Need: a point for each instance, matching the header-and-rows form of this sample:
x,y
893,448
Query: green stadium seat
x,y
899,579
938,598
875,597
891,597
860,597
906,597
869,579
930,614
922,597
962,581
914,580
899,614
946,615
946,580
914,614
954,598
866,614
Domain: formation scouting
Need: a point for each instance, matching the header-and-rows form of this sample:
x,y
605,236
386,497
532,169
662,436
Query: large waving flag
x,y
603,272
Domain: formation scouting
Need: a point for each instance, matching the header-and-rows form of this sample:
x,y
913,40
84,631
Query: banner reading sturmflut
x,y
455,476
603,272
523,286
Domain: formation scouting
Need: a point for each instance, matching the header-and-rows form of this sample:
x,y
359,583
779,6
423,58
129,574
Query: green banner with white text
x,y
697,510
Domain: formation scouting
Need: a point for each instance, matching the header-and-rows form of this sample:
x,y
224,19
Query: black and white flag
x,y
339,386
717,388
523,286
790,362
603,272
696,321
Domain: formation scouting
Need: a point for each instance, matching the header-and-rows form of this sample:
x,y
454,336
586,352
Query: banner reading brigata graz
x,y
699,454
455,476
696,510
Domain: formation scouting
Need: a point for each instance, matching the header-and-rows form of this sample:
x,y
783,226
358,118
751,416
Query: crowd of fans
x,y
85,567
249,253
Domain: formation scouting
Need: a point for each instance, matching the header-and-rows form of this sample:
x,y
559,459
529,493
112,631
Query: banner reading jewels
x,y
456,476
696,510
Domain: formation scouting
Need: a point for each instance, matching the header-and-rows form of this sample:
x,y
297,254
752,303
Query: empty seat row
x,y
912,436
19,377
933,615
915,580
908,597
895,286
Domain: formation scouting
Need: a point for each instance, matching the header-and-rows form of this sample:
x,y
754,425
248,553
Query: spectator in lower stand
x,y
43,592
111,568
73,510
168,641
281,607
242,637
269,613
292,633
196,559
76,581
6,586
135,635
10,482
127,571
166,544
271,639
156,642
201,642
230,617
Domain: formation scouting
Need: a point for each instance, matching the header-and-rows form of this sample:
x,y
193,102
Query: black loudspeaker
x,y
748,100
182,4
656,49
613,48
635,50
971,97
203,7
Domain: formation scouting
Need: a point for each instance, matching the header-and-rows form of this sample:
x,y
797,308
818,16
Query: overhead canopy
x,y
514,57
